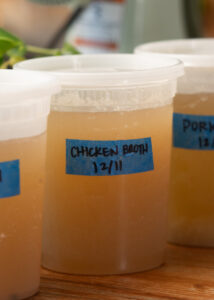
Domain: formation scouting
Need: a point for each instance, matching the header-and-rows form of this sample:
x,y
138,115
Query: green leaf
x,y
7,35
16,52
39,52
13,49
69,49
9,41
5,64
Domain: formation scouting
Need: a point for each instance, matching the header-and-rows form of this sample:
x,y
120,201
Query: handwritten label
x,y
193,132
9,179
107,158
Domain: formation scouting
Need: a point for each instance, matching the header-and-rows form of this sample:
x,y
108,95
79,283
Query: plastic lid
x,y
114,70
18,86
193,52
24,103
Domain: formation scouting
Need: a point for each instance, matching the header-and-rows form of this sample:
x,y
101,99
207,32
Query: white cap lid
x,y
193,52
24,102
197,56
112,70
18,86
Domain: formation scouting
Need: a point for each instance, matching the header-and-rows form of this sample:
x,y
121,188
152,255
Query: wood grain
x,y
187,274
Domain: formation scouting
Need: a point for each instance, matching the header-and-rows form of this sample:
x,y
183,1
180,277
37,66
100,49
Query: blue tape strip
x,y
193,131
107,158
9,179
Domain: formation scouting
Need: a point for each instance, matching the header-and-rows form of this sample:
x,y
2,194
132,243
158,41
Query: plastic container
x,y
109,138
24,108
191,212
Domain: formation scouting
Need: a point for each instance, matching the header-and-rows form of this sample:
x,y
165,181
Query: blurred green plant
x,y
13,50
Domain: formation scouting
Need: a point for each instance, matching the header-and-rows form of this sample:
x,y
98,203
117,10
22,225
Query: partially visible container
x,y
191,210
109,138
24,108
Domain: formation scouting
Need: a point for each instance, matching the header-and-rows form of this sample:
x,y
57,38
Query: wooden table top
x,y
187,274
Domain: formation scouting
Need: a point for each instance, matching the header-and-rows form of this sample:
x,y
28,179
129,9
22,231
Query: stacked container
x,y
191,210
24,108
109,138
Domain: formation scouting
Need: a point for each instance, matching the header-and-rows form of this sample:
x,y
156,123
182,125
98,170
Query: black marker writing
x,y
108,158
205,142
137,148
199,126
109,167
0,175
93,151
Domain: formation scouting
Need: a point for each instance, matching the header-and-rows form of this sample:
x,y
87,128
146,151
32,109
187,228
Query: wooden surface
x,y
187,274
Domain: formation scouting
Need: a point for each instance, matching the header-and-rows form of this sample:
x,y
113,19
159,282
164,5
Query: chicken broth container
x,y
108,161
191,206
24,107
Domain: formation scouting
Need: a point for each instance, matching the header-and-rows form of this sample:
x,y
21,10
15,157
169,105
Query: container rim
x,y
106,70
198,52
17,86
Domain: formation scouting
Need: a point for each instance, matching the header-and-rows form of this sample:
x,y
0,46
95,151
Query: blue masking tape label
x,y
193,132
107,158
9,179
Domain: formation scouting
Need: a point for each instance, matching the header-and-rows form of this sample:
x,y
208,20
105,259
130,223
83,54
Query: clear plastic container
x,y
24,108
109,137
191,211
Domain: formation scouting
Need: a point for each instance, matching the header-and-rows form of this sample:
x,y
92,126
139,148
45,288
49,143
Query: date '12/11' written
x,y
107,158
111,165
206,143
